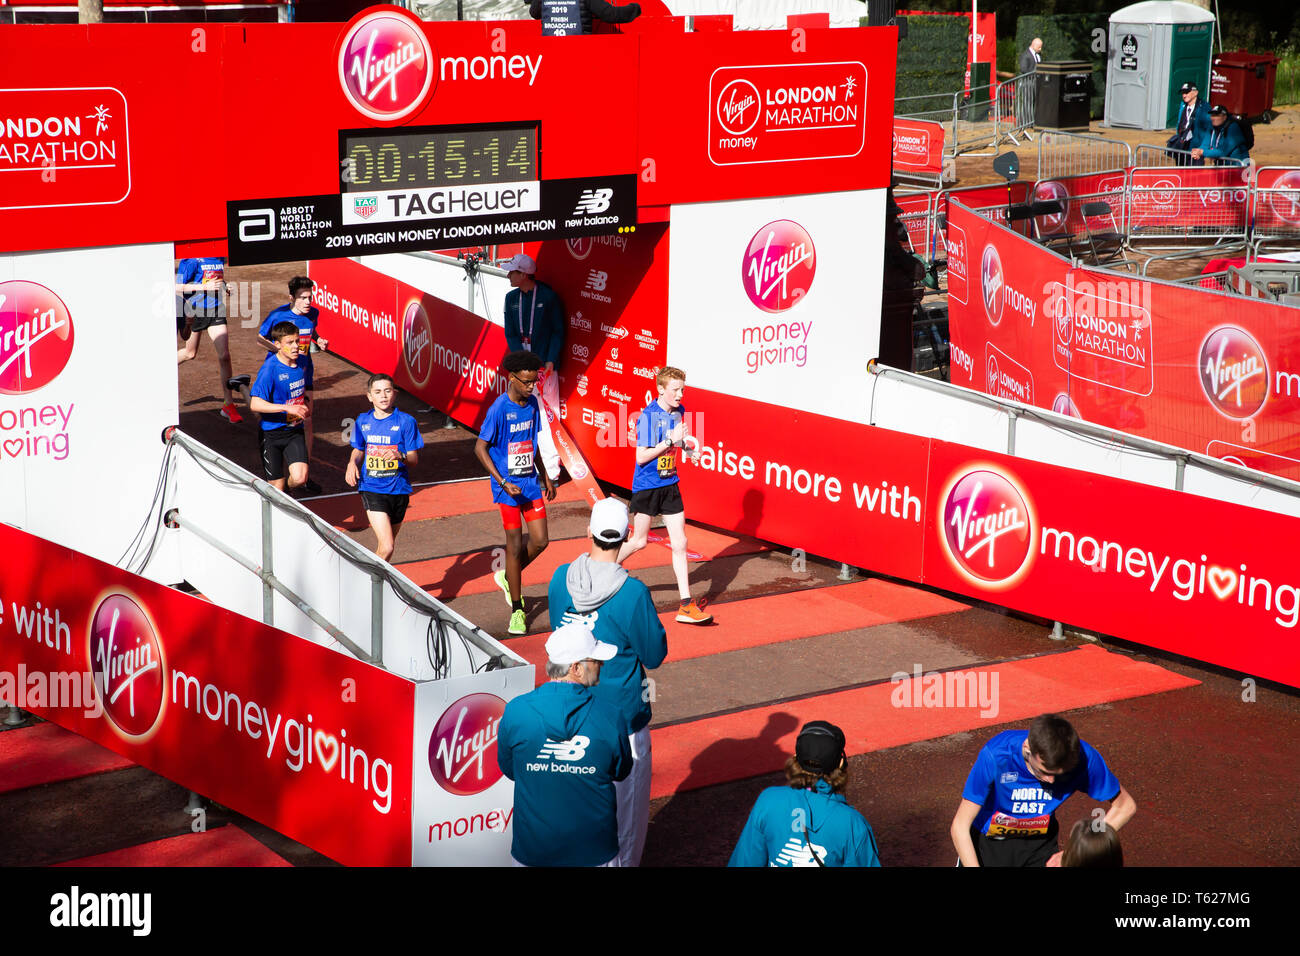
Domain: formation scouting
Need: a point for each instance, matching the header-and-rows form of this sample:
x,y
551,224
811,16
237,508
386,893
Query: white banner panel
x,y
778,300
462,808
87,384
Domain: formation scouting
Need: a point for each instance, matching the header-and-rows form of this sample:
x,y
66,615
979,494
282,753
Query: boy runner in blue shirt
x,y
384,444
507,449
660,431
1007,815
202,281
304,316
279,395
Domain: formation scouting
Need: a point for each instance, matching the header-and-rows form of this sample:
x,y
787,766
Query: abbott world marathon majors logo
x,y
417,343
36,336
386,65
1233,372
463,746
987,528
128,665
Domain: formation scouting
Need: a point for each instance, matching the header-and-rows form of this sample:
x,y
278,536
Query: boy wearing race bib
x,y
304,315
279,395
507,448
384,445
660,431
1007,815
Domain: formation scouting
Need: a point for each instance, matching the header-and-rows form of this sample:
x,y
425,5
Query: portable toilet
x,y
1156,47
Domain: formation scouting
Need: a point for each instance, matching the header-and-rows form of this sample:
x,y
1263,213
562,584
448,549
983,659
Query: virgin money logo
x,y
991,283
386,65
35,336
987,528
463,747
579,248
1284,197
417,343
126,659
1048,192
1234,372
778,266
1064,405
737,107
1063,322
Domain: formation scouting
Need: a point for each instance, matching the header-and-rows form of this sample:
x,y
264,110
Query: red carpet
x,y
45,753
224,846
775,618
431,501
753,742
460,574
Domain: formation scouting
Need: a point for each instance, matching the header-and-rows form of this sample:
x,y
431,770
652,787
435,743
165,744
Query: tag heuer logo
x,y
365,206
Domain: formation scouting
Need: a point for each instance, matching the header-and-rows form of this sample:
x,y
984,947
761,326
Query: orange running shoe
x,y
690,613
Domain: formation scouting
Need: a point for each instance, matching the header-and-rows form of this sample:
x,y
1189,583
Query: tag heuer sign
x,y
365,206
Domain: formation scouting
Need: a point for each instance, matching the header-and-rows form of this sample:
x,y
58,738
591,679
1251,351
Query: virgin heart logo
x,y
1223,581
326,742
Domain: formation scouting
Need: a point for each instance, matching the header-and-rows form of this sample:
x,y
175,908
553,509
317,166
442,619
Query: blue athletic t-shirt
x,y
1013,802
279,384
306,329
652,428
196,271
384,443
511,432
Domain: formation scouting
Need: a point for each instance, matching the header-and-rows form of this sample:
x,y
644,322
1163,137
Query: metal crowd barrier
x,y
1164,209
1015,107
1062,154
919,222
1275,207
1149,156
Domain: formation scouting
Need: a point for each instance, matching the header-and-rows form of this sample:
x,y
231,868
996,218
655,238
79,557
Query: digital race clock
x,y
428,157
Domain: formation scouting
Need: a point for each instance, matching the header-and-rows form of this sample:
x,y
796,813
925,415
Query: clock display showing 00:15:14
x,y
423,160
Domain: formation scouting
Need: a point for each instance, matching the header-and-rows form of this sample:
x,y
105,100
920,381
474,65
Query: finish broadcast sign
x,y
369,223
785,113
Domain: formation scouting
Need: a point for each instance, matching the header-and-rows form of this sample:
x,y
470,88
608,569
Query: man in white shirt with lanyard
x,y
535,322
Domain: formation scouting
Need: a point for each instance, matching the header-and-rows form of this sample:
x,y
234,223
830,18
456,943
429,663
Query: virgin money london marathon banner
x,y
65,414
1200,370
1145,564
917,147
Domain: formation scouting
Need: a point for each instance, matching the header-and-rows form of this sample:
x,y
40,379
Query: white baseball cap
x,y
521,263
609,520
573,642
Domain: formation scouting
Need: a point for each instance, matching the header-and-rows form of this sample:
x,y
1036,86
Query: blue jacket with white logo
x,y
787,827
563,749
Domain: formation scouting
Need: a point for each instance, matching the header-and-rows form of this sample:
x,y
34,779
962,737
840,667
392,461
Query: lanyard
x,y
532,307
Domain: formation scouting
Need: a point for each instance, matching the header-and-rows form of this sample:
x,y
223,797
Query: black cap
x,y
1188,87
819,747
1218,110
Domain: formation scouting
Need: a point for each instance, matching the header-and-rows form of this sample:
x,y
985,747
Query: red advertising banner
x,y
89,143
917,147
304,739
1172,363
1182,197
1149,565
1213,581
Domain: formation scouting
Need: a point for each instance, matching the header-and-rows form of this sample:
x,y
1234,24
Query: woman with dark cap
x,y
808,822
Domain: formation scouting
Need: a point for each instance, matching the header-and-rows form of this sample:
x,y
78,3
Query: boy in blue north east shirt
x,y
507,449
384,443
1007,815
279,395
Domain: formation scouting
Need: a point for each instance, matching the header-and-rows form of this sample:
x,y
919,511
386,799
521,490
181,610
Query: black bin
x,y
1063,96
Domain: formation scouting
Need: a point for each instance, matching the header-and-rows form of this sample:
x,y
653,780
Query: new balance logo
x,y
573,749
798,853
593,201
571,616
597,280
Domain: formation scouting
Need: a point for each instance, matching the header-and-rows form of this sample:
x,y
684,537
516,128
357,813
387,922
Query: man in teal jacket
x,y
597,593
1223,140
564,749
